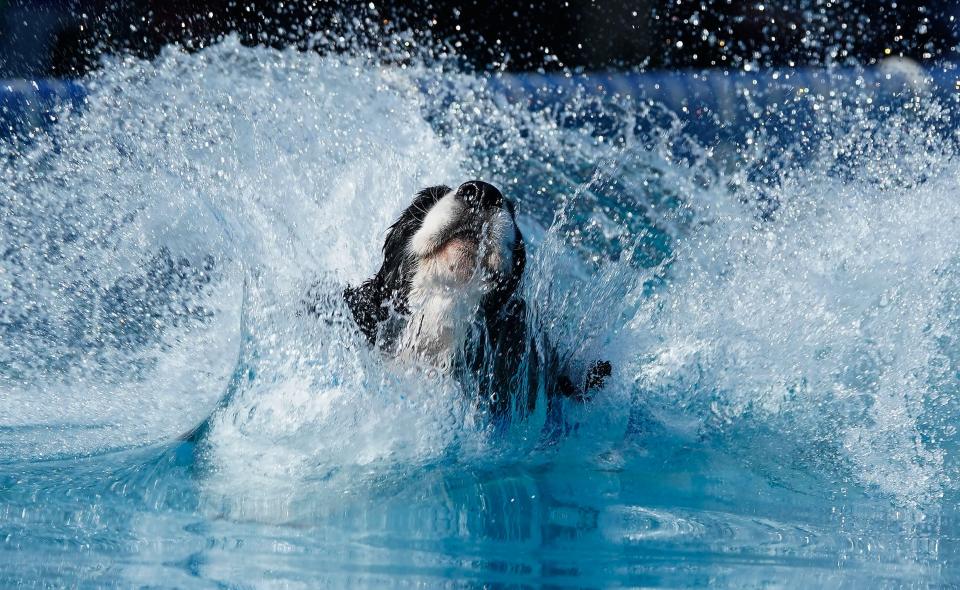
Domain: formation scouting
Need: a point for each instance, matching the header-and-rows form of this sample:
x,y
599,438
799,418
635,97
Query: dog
x,y
447,295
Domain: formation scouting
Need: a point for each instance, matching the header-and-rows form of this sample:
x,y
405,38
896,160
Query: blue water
x,y
780,309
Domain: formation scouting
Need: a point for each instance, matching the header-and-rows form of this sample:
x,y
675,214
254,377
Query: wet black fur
x,y
500,328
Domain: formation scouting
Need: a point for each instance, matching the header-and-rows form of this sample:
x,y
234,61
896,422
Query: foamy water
x,y
782,330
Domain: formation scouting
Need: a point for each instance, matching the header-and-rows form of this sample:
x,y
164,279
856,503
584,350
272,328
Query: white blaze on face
x,y
444,214
448,283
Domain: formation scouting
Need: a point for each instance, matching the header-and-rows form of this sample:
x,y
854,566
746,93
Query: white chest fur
x,y
441,312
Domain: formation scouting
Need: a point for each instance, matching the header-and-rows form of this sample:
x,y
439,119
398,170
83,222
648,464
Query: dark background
x,y
58,38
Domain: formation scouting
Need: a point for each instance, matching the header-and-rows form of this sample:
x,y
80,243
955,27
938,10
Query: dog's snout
x,y
480,195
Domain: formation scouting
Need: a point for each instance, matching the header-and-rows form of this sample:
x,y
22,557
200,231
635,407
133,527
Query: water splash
x,y
801,316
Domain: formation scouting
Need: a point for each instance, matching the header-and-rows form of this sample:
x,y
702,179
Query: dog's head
x,y
449,243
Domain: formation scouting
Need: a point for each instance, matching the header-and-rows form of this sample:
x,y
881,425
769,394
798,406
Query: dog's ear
x,y
366,306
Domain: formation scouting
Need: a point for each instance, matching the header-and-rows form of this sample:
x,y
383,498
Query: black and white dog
x,y
447,295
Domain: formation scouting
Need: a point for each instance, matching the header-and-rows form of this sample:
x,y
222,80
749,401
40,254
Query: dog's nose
x,y
480,195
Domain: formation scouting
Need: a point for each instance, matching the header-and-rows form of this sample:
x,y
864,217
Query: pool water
x,y
780,309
